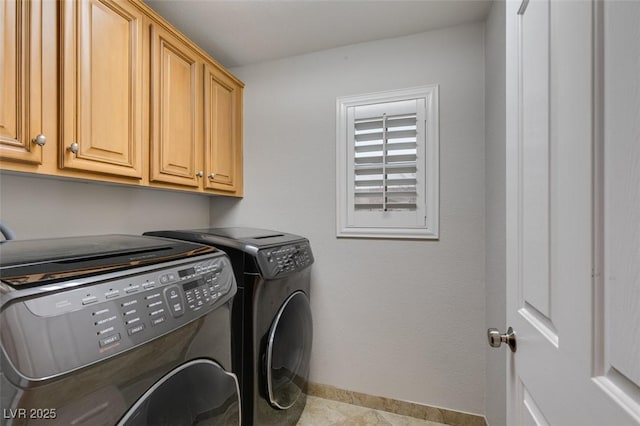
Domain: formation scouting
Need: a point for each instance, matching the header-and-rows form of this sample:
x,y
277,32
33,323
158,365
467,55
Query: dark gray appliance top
x,y
276,253
28,263
249,240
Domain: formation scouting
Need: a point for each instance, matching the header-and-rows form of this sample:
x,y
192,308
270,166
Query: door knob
x,y
496,339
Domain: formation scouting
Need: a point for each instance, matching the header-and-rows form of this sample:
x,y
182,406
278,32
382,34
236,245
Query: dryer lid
x,y
243,234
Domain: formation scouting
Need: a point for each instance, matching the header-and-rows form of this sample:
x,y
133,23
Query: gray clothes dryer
x,y
272,323
116,329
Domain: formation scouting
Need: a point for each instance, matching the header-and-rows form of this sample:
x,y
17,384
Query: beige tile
x,y
319,411
368,418
403,408
400,420
325,412
455,418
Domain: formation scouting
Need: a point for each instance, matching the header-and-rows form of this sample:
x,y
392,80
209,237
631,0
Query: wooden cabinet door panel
x,y
102,87
176,135
21,80
223,153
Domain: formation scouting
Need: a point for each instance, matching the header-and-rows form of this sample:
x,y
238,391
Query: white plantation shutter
x,y
387,169
385,157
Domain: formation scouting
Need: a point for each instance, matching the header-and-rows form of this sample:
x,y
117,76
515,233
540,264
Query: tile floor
x,y
325,412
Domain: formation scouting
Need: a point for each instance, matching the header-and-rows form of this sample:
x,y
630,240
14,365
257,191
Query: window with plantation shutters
x,y
387,155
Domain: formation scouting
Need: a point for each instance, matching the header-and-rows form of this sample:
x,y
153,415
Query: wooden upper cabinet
x,y
223,131
107,90
101,87
175,111
22,80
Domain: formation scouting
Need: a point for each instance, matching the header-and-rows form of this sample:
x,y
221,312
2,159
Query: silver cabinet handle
x,y
200,174
212,176
39,140
496,339
74,148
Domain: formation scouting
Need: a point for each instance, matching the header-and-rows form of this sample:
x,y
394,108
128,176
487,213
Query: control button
x,y
177,309
129,303
174,300
136,329
109,340
132,321
111,294
148,285
106,330
167,278
105,320
89,299
132,288
173,293
156,321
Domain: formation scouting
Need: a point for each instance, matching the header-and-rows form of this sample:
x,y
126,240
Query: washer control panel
x,y
66,330
276,261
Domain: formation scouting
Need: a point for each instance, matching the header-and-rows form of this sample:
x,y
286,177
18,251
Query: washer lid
x,y
28,263
249,240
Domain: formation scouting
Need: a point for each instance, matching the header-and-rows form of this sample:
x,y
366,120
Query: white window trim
x,y
430,230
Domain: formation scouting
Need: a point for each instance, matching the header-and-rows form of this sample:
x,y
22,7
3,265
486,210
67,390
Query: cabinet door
x,y
176,109
101,87
21,81
223,131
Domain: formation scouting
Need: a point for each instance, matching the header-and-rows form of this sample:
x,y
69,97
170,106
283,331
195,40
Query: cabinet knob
x,y
200,174
74,148
40,140
212,176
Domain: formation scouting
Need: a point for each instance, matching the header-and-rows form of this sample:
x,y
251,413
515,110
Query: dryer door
x,y
288,351
199,393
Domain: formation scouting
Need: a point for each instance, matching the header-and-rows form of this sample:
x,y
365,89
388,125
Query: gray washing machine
x,y
272,323
116,329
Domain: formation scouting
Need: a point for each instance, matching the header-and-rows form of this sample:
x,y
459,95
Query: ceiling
x,y
241,32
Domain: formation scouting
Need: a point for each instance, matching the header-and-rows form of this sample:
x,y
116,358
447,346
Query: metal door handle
x,y
496,339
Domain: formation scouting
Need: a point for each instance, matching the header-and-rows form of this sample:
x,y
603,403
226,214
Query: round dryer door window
x,y
199,393
288,351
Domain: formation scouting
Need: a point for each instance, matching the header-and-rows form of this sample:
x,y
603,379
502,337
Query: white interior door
x,y
573,212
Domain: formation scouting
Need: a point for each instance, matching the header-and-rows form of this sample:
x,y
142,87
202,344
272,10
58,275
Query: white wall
x,y
43,207
402,319
496,315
